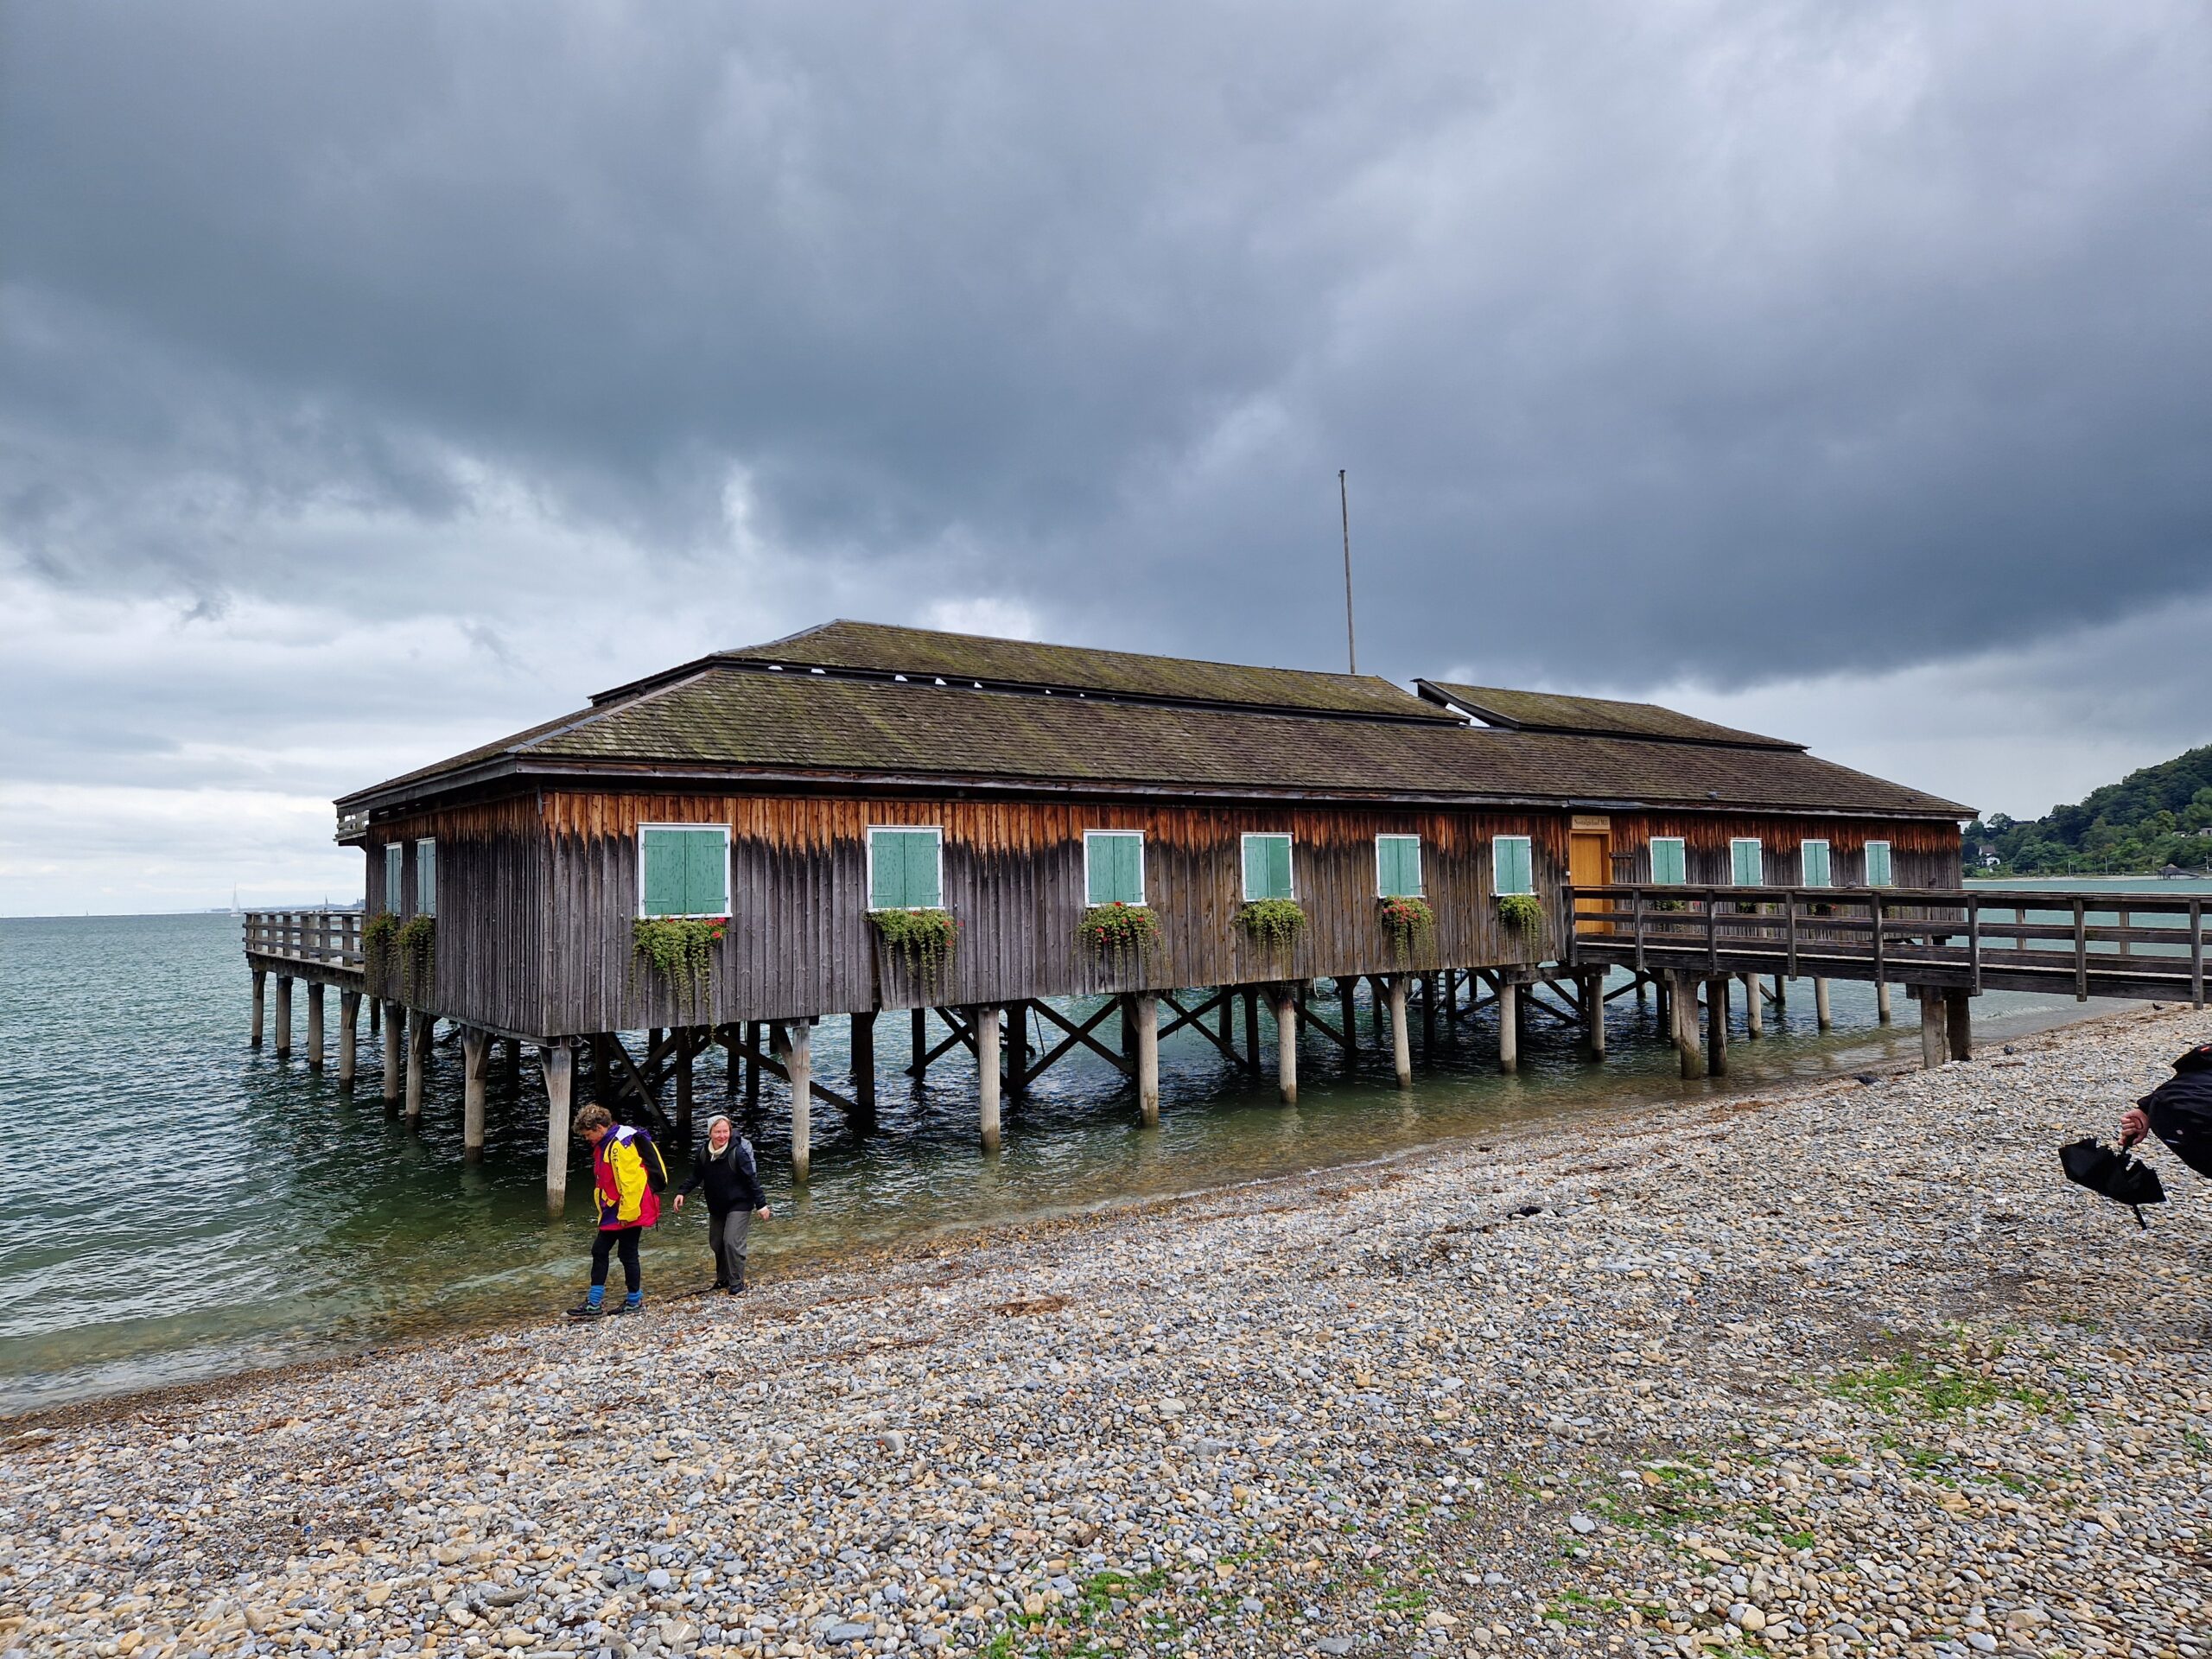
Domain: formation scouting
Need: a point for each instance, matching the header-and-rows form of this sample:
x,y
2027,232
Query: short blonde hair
x,y
590,1119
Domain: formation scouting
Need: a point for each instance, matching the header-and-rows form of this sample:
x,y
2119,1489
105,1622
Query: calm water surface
x,y
185,1206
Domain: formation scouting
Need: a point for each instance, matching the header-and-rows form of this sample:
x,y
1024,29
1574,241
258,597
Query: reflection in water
x,y
201,1208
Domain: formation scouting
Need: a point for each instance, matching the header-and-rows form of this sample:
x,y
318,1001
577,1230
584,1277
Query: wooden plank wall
x,y
1922,853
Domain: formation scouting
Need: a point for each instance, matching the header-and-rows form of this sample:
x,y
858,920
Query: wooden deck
x,y
2139,945
321,946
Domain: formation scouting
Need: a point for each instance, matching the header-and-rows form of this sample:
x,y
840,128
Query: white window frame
x,y
1244,859
395,877
1827,853
938,829
1651,859
1758,847
729,883
1420,865
1867,863
1497,890
1143,889
430,909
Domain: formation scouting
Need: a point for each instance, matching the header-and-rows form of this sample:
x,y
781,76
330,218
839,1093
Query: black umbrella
x,y
2112,1172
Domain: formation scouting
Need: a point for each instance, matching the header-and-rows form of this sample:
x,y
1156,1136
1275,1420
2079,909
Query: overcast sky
x,y
378,378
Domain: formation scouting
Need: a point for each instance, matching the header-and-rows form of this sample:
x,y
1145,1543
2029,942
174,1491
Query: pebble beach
x,y
1847,1369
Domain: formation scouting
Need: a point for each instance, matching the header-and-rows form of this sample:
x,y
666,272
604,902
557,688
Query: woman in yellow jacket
x,y
626,1175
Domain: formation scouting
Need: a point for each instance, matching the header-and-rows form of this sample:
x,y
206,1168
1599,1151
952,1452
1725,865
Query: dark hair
x,y
590,1119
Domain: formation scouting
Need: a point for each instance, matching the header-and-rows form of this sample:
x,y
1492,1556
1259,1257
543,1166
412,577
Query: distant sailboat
x,y
234,901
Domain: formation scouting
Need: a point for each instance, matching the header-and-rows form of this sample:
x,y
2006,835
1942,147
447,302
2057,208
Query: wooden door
x,y
1589,864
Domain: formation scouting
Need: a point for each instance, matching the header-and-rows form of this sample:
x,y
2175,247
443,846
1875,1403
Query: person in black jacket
x,y
2178,1111
726,1170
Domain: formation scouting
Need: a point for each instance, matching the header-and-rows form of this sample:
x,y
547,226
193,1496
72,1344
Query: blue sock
x,y
635,1298
594,1295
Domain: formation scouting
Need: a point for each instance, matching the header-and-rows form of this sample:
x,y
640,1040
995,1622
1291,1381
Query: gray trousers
x,y
726,1231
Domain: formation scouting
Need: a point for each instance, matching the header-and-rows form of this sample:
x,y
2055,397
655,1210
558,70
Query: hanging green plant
x,y
923,939
418,959
1408,922
681,950
377,941
1669,903
1521,912
1118,930
1274,924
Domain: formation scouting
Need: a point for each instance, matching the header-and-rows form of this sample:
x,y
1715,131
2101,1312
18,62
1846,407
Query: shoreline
x,y
1777,1368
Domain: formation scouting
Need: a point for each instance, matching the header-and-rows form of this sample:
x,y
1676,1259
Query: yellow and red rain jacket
x,y
626,1167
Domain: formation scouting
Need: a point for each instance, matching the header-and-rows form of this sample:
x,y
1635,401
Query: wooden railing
x,y
329,938
2091,945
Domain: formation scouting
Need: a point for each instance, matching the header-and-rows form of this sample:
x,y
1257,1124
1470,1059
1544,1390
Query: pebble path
x,y
1850,1370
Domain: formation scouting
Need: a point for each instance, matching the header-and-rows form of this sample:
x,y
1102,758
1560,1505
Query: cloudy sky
x,y
376,379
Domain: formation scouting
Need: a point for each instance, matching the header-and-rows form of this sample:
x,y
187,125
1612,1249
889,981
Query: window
x,y
1878,863
1397,867
1813,864
1512,864
1112,867
1267,868
683,872
1670,860
905,868
395,861
426,878
1746,863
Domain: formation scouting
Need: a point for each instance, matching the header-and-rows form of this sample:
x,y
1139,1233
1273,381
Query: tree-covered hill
x,y
2147,820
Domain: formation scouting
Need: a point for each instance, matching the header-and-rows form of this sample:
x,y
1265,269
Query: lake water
x,y
186,1207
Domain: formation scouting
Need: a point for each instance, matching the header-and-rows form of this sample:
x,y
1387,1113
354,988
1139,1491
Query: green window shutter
x,y
706,883
1814,872
1267,867
1669,861
1748,864
1878,863
1129,869
426,878
1098,870
1397,860
922,885
667,876
886,860
1114,867
1255,868
1513,864
1279,867
394,857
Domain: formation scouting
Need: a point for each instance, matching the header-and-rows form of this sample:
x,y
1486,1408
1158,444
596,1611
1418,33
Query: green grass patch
x,y
1910,1385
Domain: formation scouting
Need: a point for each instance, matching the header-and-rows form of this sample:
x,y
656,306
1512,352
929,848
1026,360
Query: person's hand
x,y
2133,1127
763,1213
679,1203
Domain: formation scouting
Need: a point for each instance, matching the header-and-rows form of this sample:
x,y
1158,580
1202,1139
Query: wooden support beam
x,y
283,1016
475,1063
349,1020
376,1010
1347,992
1781,994
558,1064
1402,1058
511,1063
1286,1043
1014,1040
1593,1015
1682,998
1306,1014
1509,1024
1882,1000
1935,1041
1252,1028
1148,1024
394,1031
864,1047
1428,988
768,1065
314,1025
1754,1009
1081,1035
1958,1023
686,1047
418,1061
1221,1003
752,1035
1716,1027
1820,1016
986,1022
260,1001
793,1041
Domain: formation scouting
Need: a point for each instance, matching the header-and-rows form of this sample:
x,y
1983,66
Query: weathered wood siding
x,y
493,922
1922,853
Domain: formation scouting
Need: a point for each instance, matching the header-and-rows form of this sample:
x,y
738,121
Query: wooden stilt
x,y
864,1047
419,1058
283,1016
793,1042
1014,1039
1754,1007
1935,1041
686,1047
600,1093
986,1022
349,1020
753,1069
1147,1024
919,1040
1882,1000
1348,991
1821,1004
475,1063
511,1065
1286,1001
1229,1020
395,1029
1594,1015
1378,1008
1252,1028
1428,1015
314,1025
1958,1024
1663,1004
558,1064
1780,993
376,1015
1681,1006
1509,1024
1401,1057
1716,1027
260,1001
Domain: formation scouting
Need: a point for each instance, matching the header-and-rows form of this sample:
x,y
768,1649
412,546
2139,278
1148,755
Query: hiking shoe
x,y
586,1311
735,1290
627,1307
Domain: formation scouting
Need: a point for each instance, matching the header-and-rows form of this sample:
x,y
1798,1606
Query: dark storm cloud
x,y
1728,340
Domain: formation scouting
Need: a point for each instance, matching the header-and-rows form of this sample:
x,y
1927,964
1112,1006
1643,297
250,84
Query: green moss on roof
x,y
1551,711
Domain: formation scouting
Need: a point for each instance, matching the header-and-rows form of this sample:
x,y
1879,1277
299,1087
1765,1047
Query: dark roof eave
x,y
519,768
1433,692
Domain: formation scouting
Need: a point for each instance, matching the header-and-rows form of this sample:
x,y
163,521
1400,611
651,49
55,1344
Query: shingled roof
x,y
1551,711
748,719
